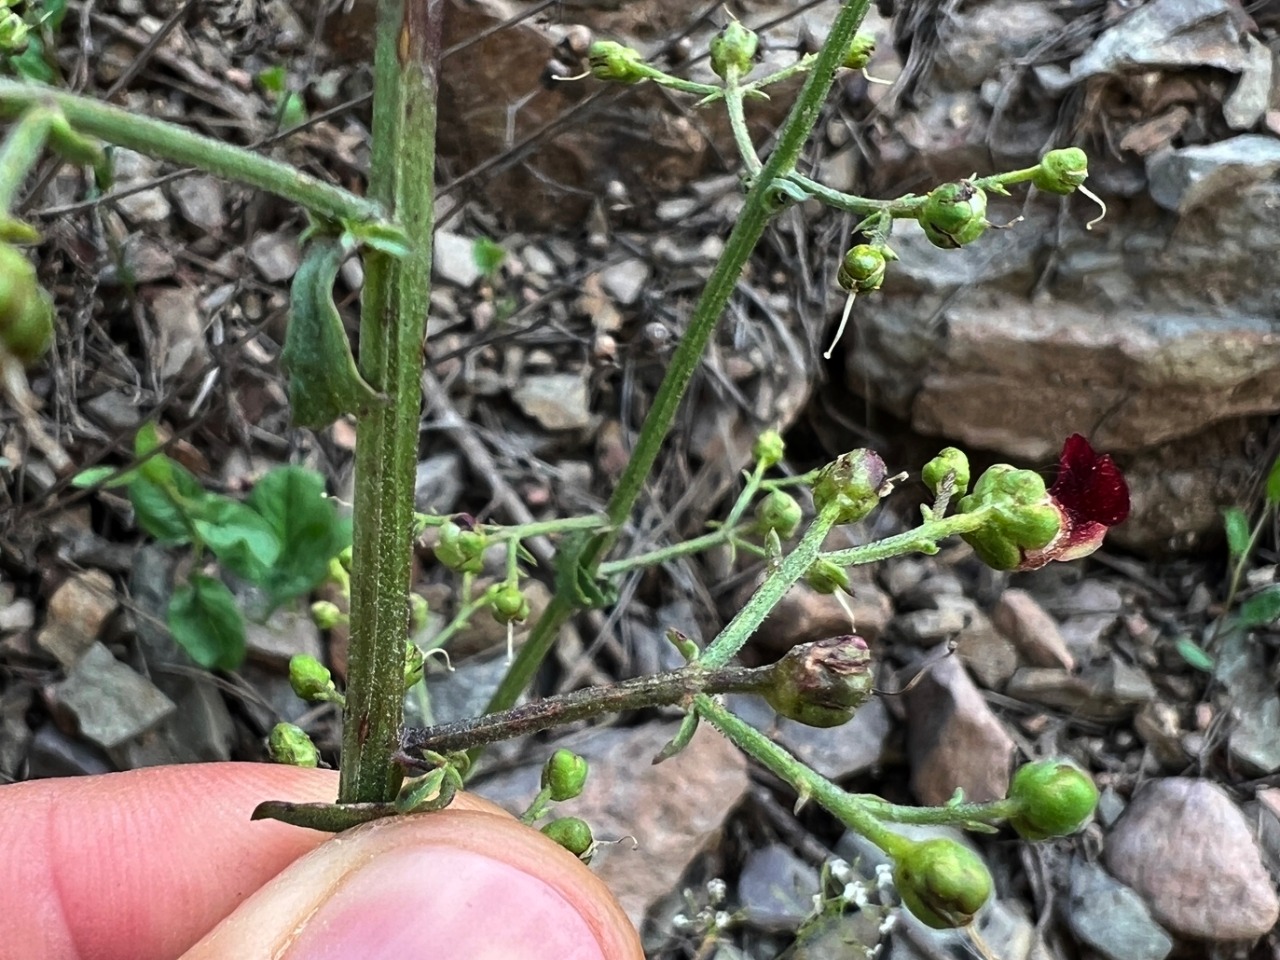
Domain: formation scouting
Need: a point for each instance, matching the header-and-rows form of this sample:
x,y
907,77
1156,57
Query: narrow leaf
x,y
1194,654
1262,608
1237,527
205,622
1273,484
324,382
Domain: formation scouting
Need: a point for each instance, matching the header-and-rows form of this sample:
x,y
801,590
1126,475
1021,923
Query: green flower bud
x,y
290,744
779,512
734,46
26,308
1023,516
769,448
1055,798
827,577
571,833
14,33
326,614
616,63
862,269
1062,171
948,461
860,51
821,684
310,679
855,482
564,775
954,214
509,604
461,550
942,882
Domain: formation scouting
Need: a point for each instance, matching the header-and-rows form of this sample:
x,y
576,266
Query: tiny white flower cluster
x,y
884,877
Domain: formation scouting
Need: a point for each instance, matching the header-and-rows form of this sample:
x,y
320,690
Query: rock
x,y
953,738
1253,704
77,611
624,281
439,483
454,259
926,628
114,410
1112,919
144,261
17,615
1177,34
1086,612
1020,618
276,256
804,615
201,202
131,169
1248,102
835,752
628,796
1188,851
988,654
460,693
1107,692
776,888
15,734
558,401
180,341
976,43
54,754
284,634
847,935
1182,180
1158,725
109,702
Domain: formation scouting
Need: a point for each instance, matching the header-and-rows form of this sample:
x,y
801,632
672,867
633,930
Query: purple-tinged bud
x,y
822,684
942,882
855,482
1055,798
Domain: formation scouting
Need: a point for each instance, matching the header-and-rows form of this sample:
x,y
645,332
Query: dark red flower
x,y
1091,495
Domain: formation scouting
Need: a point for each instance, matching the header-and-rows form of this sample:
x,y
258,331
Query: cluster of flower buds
x,y
822,684
26,308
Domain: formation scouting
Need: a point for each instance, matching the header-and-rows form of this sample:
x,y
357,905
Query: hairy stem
x,y
392,328
159,138
753,219
677,686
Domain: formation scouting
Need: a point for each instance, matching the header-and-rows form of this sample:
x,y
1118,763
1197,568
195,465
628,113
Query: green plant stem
x,y
659,689
903,208
753,219
922,539
997,811
738,121
21,151
1237,575
806,782
392,329
775,585
159,138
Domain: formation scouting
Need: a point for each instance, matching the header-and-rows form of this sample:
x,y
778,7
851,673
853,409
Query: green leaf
x,y
31,64
108,477
272,79
1273,484
1194,654
292,502
205,622
382,236
237,535
324,382
1237,527
52,13
488,256
164,511
1262,608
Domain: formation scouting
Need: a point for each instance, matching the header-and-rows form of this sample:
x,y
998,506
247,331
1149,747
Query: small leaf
x,y
237,535
1237,527
1194,654
105,476
488,256
1262,608
272,79
205,622
382,236
1273,484
163,511
324,382
292,502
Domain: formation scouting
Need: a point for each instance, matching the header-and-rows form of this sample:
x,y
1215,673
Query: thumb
x,y
458,884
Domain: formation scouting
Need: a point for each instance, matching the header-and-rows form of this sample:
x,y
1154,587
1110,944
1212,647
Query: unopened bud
x,y
615,63
779,512
862,269
769,448
827,576
326,614
1055,798
572,833
509,604
461,550
942,882
310,679
1062,171
949,461
564,775
954,214
860,51
290,744
735,46
854,482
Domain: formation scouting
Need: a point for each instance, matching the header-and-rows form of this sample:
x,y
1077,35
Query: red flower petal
x,y
1090,487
